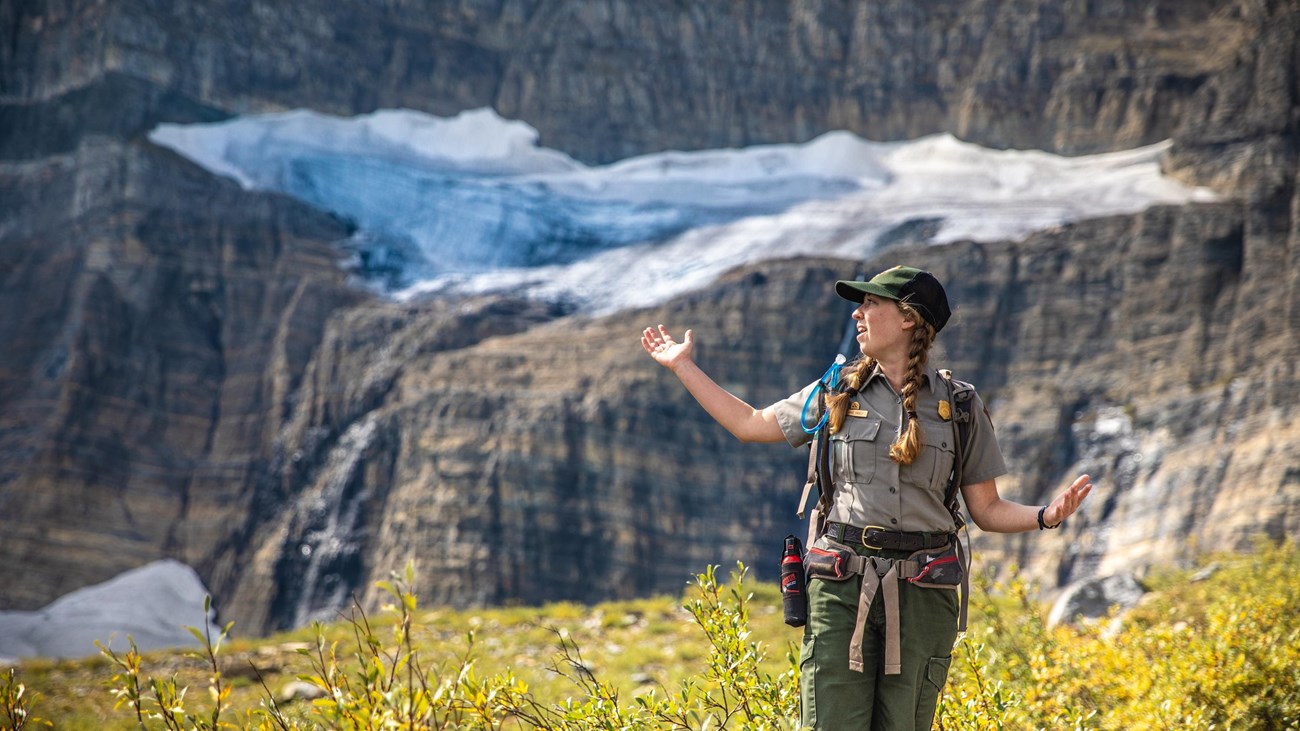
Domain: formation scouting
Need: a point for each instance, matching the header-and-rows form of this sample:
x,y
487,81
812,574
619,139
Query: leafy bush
x,y
16,703
1221,652
163,700
734,692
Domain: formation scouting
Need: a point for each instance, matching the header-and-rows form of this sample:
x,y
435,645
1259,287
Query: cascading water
x,y
322,563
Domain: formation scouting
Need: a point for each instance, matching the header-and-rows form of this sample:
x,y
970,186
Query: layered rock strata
x,y
157,321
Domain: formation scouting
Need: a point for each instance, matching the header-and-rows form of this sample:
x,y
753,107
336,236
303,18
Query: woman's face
x,y
882,328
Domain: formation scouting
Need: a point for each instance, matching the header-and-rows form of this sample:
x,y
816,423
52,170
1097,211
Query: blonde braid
x,y
838,404
908,445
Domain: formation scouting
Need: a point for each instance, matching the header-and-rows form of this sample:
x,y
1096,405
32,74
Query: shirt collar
x,y
929,376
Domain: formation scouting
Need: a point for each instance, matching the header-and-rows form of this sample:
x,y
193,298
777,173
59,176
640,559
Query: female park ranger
x,y
880,630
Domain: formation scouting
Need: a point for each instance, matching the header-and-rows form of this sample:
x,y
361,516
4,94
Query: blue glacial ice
x,y
472,202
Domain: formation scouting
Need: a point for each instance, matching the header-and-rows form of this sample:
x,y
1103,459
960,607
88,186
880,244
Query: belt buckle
x,y
864,536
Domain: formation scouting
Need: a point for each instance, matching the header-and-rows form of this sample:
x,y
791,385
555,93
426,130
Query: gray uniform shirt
x,y
870,488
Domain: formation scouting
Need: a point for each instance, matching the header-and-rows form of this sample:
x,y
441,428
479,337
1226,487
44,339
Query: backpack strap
x,y
819,477
959,395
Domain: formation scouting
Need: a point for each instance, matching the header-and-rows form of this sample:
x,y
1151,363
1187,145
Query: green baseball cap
x,y
916,287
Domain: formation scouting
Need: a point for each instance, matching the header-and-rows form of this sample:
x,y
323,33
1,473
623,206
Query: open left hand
x,y
1067,502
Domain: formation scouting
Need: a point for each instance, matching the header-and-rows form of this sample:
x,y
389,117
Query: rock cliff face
x,y
187,373
157,322
609,79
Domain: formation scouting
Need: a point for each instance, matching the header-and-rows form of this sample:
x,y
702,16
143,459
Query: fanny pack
x,y
940,568
832,561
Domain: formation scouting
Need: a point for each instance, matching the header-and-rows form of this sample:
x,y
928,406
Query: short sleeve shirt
x,y
871,489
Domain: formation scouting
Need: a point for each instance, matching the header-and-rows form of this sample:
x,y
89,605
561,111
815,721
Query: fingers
x,y
1079,490
658,342
660,336
654,336
651,336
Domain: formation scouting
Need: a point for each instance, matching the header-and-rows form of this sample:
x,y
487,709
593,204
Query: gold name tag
x,y
858,412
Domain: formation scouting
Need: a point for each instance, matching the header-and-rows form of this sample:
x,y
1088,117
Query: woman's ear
x,y
911,317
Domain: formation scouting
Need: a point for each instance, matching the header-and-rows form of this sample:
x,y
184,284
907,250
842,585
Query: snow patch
x,y
153,604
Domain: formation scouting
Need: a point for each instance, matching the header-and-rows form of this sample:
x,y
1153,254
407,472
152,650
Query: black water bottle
x,y
794,584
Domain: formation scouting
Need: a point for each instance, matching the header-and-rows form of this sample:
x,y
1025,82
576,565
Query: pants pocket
x,y
936,675
807,684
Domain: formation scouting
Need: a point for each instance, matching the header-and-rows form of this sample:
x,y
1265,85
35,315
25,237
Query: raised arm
x,y
743,421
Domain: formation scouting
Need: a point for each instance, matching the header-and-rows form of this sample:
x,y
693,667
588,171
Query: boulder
x,y
1096,598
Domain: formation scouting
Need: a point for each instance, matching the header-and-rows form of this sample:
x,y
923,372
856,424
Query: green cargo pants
x,y
835,698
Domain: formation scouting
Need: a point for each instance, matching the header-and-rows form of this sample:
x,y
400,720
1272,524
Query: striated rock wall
x,y
186,372
156,324
1137,354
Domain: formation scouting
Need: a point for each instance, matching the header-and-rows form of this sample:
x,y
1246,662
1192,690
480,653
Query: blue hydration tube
x,y
829,380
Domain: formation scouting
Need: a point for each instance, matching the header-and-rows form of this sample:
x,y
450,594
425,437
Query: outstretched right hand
x,y
666,351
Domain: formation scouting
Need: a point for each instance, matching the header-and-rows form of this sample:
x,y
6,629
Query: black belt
x,y
892,540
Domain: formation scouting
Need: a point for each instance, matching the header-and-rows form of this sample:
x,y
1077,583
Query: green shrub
x,y
16,703
1218,653
734,692
160,702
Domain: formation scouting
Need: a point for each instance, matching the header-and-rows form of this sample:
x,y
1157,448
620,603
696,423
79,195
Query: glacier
x,y
474,203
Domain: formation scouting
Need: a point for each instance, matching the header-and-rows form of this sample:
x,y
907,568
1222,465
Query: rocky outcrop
x,y
1094,599
187,373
